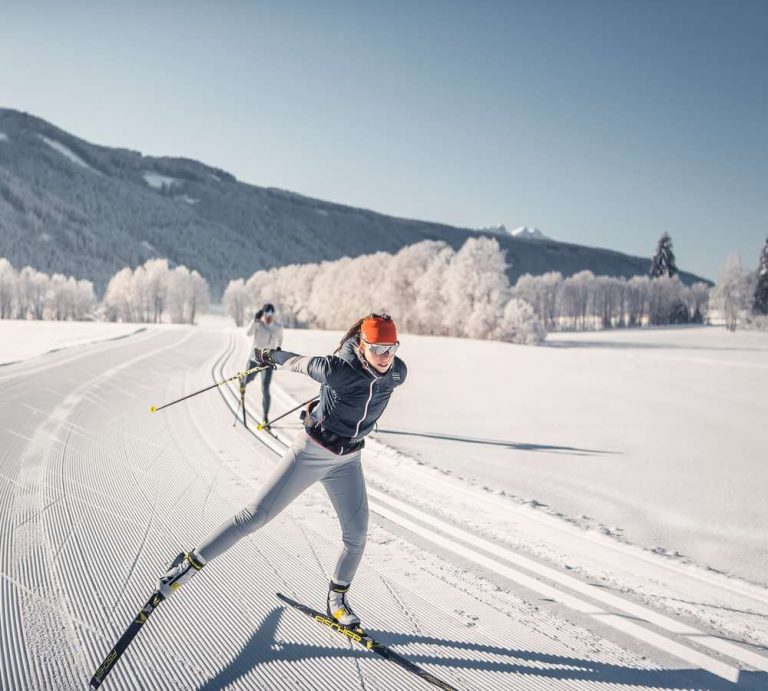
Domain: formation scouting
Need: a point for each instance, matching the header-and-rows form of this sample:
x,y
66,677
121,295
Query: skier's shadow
x,y
516,445
264,647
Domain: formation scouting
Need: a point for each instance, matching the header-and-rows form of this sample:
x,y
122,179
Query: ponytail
x,y
353,332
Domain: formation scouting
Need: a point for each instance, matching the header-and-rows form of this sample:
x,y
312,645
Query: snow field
x,y
97,495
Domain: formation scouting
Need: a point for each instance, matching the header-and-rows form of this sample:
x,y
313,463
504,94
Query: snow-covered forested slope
x,y
97,495
72,207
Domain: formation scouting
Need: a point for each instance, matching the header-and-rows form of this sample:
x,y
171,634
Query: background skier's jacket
x,y
353,394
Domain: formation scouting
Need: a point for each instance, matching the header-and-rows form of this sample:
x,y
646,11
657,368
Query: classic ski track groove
x,y
746,590
50,426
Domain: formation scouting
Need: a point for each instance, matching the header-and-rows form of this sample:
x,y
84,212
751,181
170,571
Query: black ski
x,y
125,640
363,639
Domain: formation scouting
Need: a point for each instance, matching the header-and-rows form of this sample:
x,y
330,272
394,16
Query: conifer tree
x,y
760,302
663,262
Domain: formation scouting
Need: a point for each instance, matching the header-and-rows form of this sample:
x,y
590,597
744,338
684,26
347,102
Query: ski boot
x,y
184,566
338,608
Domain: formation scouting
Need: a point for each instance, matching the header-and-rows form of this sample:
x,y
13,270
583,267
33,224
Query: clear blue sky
x,y
602,122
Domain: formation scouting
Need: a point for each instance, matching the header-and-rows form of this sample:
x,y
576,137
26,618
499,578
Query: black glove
x,y
265,358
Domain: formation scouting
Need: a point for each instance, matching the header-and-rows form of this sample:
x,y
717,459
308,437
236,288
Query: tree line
x,y
435,290
431,288
144,294
32,294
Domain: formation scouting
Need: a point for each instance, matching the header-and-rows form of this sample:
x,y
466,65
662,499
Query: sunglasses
x,y
382,349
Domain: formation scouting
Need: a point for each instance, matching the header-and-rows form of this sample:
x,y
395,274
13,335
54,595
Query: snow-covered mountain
x,y
72,207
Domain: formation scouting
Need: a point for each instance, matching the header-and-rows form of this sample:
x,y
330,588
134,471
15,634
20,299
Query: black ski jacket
x,y
353,394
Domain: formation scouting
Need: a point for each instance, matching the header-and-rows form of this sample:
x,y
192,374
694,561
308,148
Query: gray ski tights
x,y
303,464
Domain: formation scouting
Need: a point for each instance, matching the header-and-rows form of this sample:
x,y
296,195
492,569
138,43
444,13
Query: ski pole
x,y
301,405
241,400
154,409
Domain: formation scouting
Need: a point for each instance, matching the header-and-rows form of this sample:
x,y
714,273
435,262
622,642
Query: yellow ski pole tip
x,y
152,409
259,426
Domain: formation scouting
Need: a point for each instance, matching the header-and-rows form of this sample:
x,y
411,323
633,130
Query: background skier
x,y
267,335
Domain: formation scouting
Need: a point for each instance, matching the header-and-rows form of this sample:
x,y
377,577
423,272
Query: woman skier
x,y
356,383
267,334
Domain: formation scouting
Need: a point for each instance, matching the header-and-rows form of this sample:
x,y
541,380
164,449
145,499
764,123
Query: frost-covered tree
x,y
667,303
235,299
22,300
117,299
760,298
8,281
663,262
638,300
607,301
186,295
141,296
326,308
84,300
201,296
730,295
475,279
428,305
144,294
293,285
32,289
178,294
699,293
399,291
259,290
519,324
60,297
157,277
575,298
33,294
541,292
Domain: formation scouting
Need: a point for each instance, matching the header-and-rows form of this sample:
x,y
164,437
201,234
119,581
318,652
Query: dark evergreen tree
x,y
678,313
760,303
663,262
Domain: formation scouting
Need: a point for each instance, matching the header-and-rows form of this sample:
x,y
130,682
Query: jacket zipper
x,y
365,410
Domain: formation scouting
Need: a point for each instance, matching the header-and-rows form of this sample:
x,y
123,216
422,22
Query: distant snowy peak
x,y
499,229
526,233
522,233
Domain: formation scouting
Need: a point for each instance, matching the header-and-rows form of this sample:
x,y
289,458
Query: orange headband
x,y
378,330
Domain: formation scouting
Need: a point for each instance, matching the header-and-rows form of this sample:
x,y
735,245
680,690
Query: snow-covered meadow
x,y
21,339
580,514
656,436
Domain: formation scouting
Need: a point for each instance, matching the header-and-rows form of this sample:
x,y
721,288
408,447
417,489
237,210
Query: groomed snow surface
x,y
588,514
